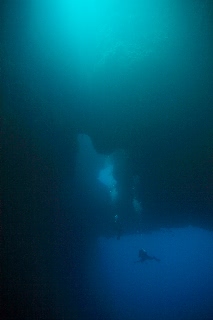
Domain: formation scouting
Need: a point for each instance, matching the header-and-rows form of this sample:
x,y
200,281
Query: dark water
x,y
107,148
117,285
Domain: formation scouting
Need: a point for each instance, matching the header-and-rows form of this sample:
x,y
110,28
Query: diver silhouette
x,y
144,256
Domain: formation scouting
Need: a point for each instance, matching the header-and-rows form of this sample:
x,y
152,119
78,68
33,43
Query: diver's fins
x,y
156,259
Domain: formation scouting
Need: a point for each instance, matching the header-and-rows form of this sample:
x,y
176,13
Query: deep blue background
x,y
180,286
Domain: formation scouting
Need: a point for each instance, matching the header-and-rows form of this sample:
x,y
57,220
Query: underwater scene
x,y
106,111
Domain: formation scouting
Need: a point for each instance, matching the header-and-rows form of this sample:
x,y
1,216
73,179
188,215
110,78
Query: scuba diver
x,y
144,256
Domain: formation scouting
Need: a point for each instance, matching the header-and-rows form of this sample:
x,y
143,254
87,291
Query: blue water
x,y
180,286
